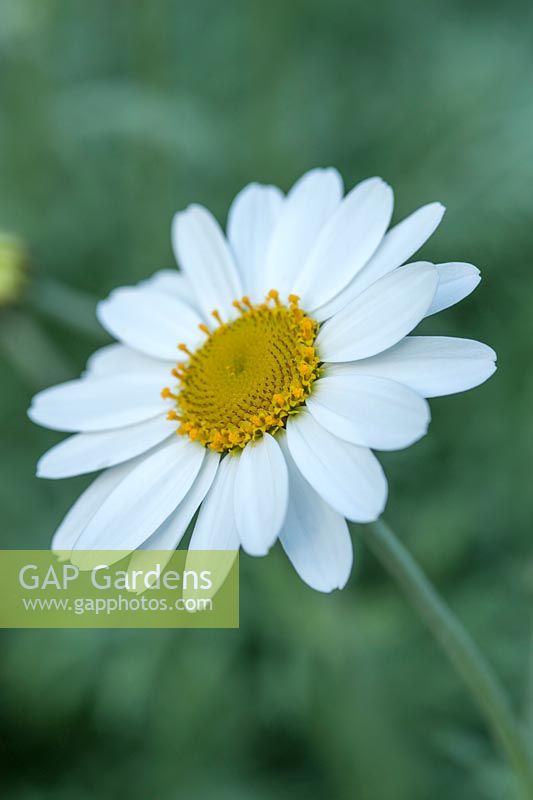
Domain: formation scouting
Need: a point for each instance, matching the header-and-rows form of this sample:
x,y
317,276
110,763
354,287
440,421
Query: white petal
x,y
144,499
88,504
99,404
370,411
204,256
381,316
309,204
456,281
117,358
431,365
216,528
88,452
346,476
315,538
149,321
172,283
170,533
398,245
251,220
261,491
346,242
160,547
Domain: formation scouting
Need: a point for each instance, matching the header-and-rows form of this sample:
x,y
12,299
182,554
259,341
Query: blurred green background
x,y
113,115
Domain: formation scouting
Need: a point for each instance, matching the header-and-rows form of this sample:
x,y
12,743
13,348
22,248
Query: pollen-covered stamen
x,y
248,376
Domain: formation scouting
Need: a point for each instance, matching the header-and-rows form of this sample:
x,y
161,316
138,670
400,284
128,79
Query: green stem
x,y
68,306
458,646
29,350
529,688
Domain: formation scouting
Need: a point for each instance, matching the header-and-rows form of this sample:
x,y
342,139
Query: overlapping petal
x,y
144,499
89,452
308,206
99,404
346,476
431,365
170,533
315,538
251,221
381,316
456,281
88,503
369,410
397,247
172,283
261,493
149,321
216,527
114,359
346,242
206,260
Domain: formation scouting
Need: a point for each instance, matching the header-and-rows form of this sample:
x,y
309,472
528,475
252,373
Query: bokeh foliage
x,y
112,116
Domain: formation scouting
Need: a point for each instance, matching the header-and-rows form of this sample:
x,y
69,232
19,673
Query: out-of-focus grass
x,y
113,116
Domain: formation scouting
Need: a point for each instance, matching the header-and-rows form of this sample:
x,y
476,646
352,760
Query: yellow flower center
x,y
248,376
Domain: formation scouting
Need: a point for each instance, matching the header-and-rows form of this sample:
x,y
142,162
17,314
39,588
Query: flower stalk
x,y
66,305
29,350
458,645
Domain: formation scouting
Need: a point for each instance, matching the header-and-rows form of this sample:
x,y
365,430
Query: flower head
x,y
13,266
254,384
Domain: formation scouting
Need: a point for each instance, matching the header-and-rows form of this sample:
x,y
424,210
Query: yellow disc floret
x,y
248,376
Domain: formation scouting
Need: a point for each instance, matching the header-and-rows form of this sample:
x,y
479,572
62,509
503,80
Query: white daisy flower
x,y
295,363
